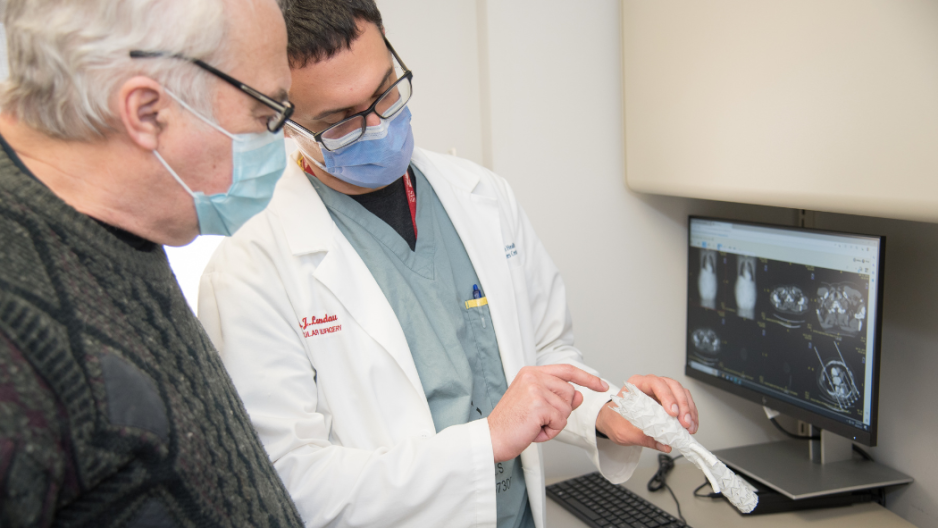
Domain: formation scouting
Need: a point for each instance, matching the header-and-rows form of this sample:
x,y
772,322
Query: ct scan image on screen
x,y
786,313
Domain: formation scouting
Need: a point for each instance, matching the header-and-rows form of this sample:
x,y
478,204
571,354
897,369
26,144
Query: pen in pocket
x,y
477,294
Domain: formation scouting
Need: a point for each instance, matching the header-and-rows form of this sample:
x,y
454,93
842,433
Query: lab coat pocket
x,y
479,308
485,358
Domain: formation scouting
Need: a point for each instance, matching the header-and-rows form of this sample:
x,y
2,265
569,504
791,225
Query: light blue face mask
x,y
376,160
258,161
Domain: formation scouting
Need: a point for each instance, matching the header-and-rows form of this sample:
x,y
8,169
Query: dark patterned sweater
x,y
115,409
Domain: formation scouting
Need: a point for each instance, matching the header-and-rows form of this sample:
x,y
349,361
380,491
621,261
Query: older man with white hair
x,y
125,125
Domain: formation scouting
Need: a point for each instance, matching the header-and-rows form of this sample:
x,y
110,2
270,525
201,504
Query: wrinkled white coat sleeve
x,y
417,482
553,333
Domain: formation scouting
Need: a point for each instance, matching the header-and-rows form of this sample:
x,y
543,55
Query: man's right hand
x,y
536,406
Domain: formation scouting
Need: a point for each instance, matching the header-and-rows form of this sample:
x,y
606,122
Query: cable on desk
x,y
665,465
711,495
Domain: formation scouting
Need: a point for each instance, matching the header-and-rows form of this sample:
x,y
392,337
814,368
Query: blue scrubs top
x,y
449,333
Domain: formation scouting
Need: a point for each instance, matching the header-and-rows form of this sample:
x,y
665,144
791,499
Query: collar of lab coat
x,y
296,197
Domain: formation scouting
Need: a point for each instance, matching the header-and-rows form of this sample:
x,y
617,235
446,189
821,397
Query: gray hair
x,y
68,57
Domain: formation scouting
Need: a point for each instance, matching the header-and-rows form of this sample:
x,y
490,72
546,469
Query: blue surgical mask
x,y
376,160
258,161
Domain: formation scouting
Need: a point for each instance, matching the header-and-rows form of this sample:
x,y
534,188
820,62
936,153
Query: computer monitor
x,y
789,318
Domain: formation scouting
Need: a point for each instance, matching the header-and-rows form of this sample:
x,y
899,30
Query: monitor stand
x,y
788,467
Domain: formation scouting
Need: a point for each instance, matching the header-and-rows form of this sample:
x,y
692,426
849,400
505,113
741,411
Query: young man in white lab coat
x,y
391,298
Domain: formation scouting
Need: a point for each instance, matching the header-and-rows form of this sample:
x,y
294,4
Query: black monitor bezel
x,y
856,434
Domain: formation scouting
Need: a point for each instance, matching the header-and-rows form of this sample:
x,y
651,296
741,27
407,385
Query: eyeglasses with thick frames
x,y
275,123
352,128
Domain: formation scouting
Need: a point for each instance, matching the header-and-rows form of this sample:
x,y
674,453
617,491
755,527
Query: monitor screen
x,y
789,318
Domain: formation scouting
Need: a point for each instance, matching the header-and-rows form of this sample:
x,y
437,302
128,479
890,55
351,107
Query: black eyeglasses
x,y
284,109
352,128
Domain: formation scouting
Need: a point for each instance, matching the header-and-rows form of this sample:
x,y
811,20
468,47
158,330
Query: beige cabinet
x,y
827,105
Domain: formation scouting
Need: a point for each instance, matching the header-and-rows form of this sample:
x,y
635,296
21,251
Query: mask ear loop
x,y
200,116
171,171
306,155
197,114
316,162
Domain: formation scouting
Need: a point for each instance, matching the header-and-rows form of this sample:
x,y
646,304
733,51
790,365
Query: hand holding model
x,y
536,406
672,396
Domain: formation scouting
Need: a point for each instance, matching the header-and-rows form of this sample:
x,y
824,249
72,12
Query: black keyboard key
x,y
583,509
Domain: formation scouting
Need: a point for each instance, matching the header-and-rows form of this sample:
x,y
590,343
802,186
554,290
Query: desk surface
x,y
712,513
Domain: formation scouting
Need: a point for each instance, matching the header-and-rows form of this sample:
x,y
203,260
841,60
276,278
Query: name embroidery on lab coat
x,y
510,251
307,322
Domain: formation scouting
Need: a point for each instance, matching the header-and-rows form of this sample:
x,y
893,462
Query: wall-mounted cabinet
x,y
827,105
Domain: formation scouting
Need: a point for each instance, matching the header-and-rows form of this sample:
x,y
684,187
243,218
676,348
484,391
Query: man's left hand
x,y
675,399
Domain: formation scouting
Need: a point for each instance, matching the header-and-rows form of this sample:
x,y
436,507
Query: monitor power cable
x,y
658,480
772,414
711,495
791,434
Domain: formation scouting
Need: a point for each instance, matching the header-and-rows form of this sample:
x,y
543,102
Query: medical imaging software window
x,y
785,312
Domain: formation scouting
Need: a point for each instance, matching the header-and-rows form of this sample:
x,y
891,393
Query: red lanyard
x,y
411,201
408,187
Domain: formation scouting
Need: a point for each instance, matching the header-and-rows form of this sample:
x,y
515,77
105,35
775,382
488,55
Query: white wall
x,y
188,262
533,89
438,41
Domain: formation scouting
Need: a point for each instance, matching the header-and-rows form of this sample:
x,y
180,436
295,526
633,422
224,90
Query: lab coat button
x,y
424,433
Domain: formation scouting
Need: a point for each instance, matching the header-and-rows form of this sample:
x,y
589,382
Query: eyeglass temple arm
x,y
293,125
396,56
280,107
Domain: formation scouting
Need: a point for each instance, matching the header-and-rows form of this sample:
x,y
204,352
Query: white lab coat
x,y
325,372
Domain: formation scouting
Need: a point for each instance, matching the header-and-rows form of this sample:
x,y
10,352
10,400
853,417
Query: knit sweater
x,y
115,409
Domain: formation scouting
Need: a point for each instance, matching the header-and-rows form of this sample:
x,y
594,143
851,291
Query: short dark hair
x,y
317,29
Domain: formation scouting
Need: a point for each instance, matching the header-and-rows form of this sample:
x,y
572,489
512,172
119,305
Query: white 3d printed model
x,y
646,414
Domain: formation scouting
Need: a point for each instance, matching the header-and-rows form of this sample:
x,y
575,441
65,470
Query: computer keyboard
x,y
602,504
